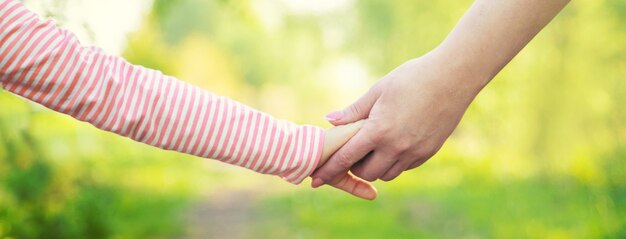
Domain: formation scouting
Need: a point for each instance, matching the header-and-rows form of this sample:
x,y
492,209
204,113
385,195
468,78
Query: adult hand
x,y
415,108
411,112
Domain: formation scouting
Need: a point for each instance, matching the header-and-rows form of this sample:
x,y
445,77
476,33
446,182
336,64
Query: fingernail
x,y
334,116
317,182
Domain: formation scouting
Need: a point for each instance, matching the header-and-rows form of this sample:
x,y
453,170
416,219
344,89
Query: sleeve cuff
x,y
311,145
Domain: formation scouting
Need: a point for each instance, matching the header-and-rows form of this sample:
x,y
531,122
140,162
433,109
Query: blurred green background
x,y
539,154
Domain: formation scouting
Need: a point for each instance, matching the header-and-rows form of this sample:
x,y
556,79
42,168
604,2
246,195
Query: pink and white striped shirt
x,y
46,64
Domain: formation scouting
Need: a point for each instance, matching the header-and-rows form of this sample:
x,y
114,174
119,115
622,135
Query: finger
x,y
358,166
355,186
416,164
395,170
356,111
336,137
375,166
355,149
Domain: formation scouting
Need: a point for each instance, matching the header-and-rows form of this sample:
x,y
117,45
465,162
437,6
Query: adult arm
x,y
415,108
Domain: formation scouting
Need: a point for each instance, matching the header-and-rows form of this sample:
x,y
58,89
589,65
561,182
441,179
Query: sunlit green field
x,y
541,153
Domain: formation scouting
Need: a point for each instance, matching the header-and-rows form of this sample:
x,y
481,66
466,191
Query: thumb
x,y
356,111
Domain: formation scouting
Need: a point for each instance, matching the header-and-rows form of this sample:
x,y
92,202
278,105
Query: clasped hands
x,y
401,122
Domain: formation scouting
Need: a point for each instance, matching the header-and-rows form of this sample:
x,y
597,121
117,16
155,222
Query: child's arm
x,y
48,65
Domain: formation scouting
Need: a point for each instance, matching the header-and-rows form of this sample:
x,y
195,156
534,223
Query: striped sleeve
x,y
47,65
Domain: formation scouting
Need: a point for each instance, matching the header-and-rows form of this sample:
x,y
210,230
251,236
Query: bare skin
x,y
333,140
413,110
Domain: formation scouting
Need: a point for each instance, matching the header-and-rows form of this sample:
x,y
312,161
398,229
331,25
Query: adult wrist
x,y
464,68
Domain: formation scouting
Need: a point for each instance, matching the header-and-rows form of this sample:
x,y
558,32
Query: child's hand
x,y
335,138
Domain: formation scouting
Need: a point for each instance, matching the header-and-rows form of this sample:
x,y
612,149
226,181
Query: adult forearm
x,y
491,33
414,109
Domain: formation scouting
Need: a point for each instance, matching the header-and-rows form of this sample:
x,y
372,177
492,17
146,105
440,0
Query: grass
x,y
478,206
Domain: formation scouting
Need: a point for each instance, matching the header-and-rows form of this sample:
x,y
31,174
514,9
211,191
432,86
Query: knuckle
x,y
368,176
380,133
417,164
369,139
344,161
401,145
425,152
411,161
377,137
354,109
419,154
389,177
430,152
